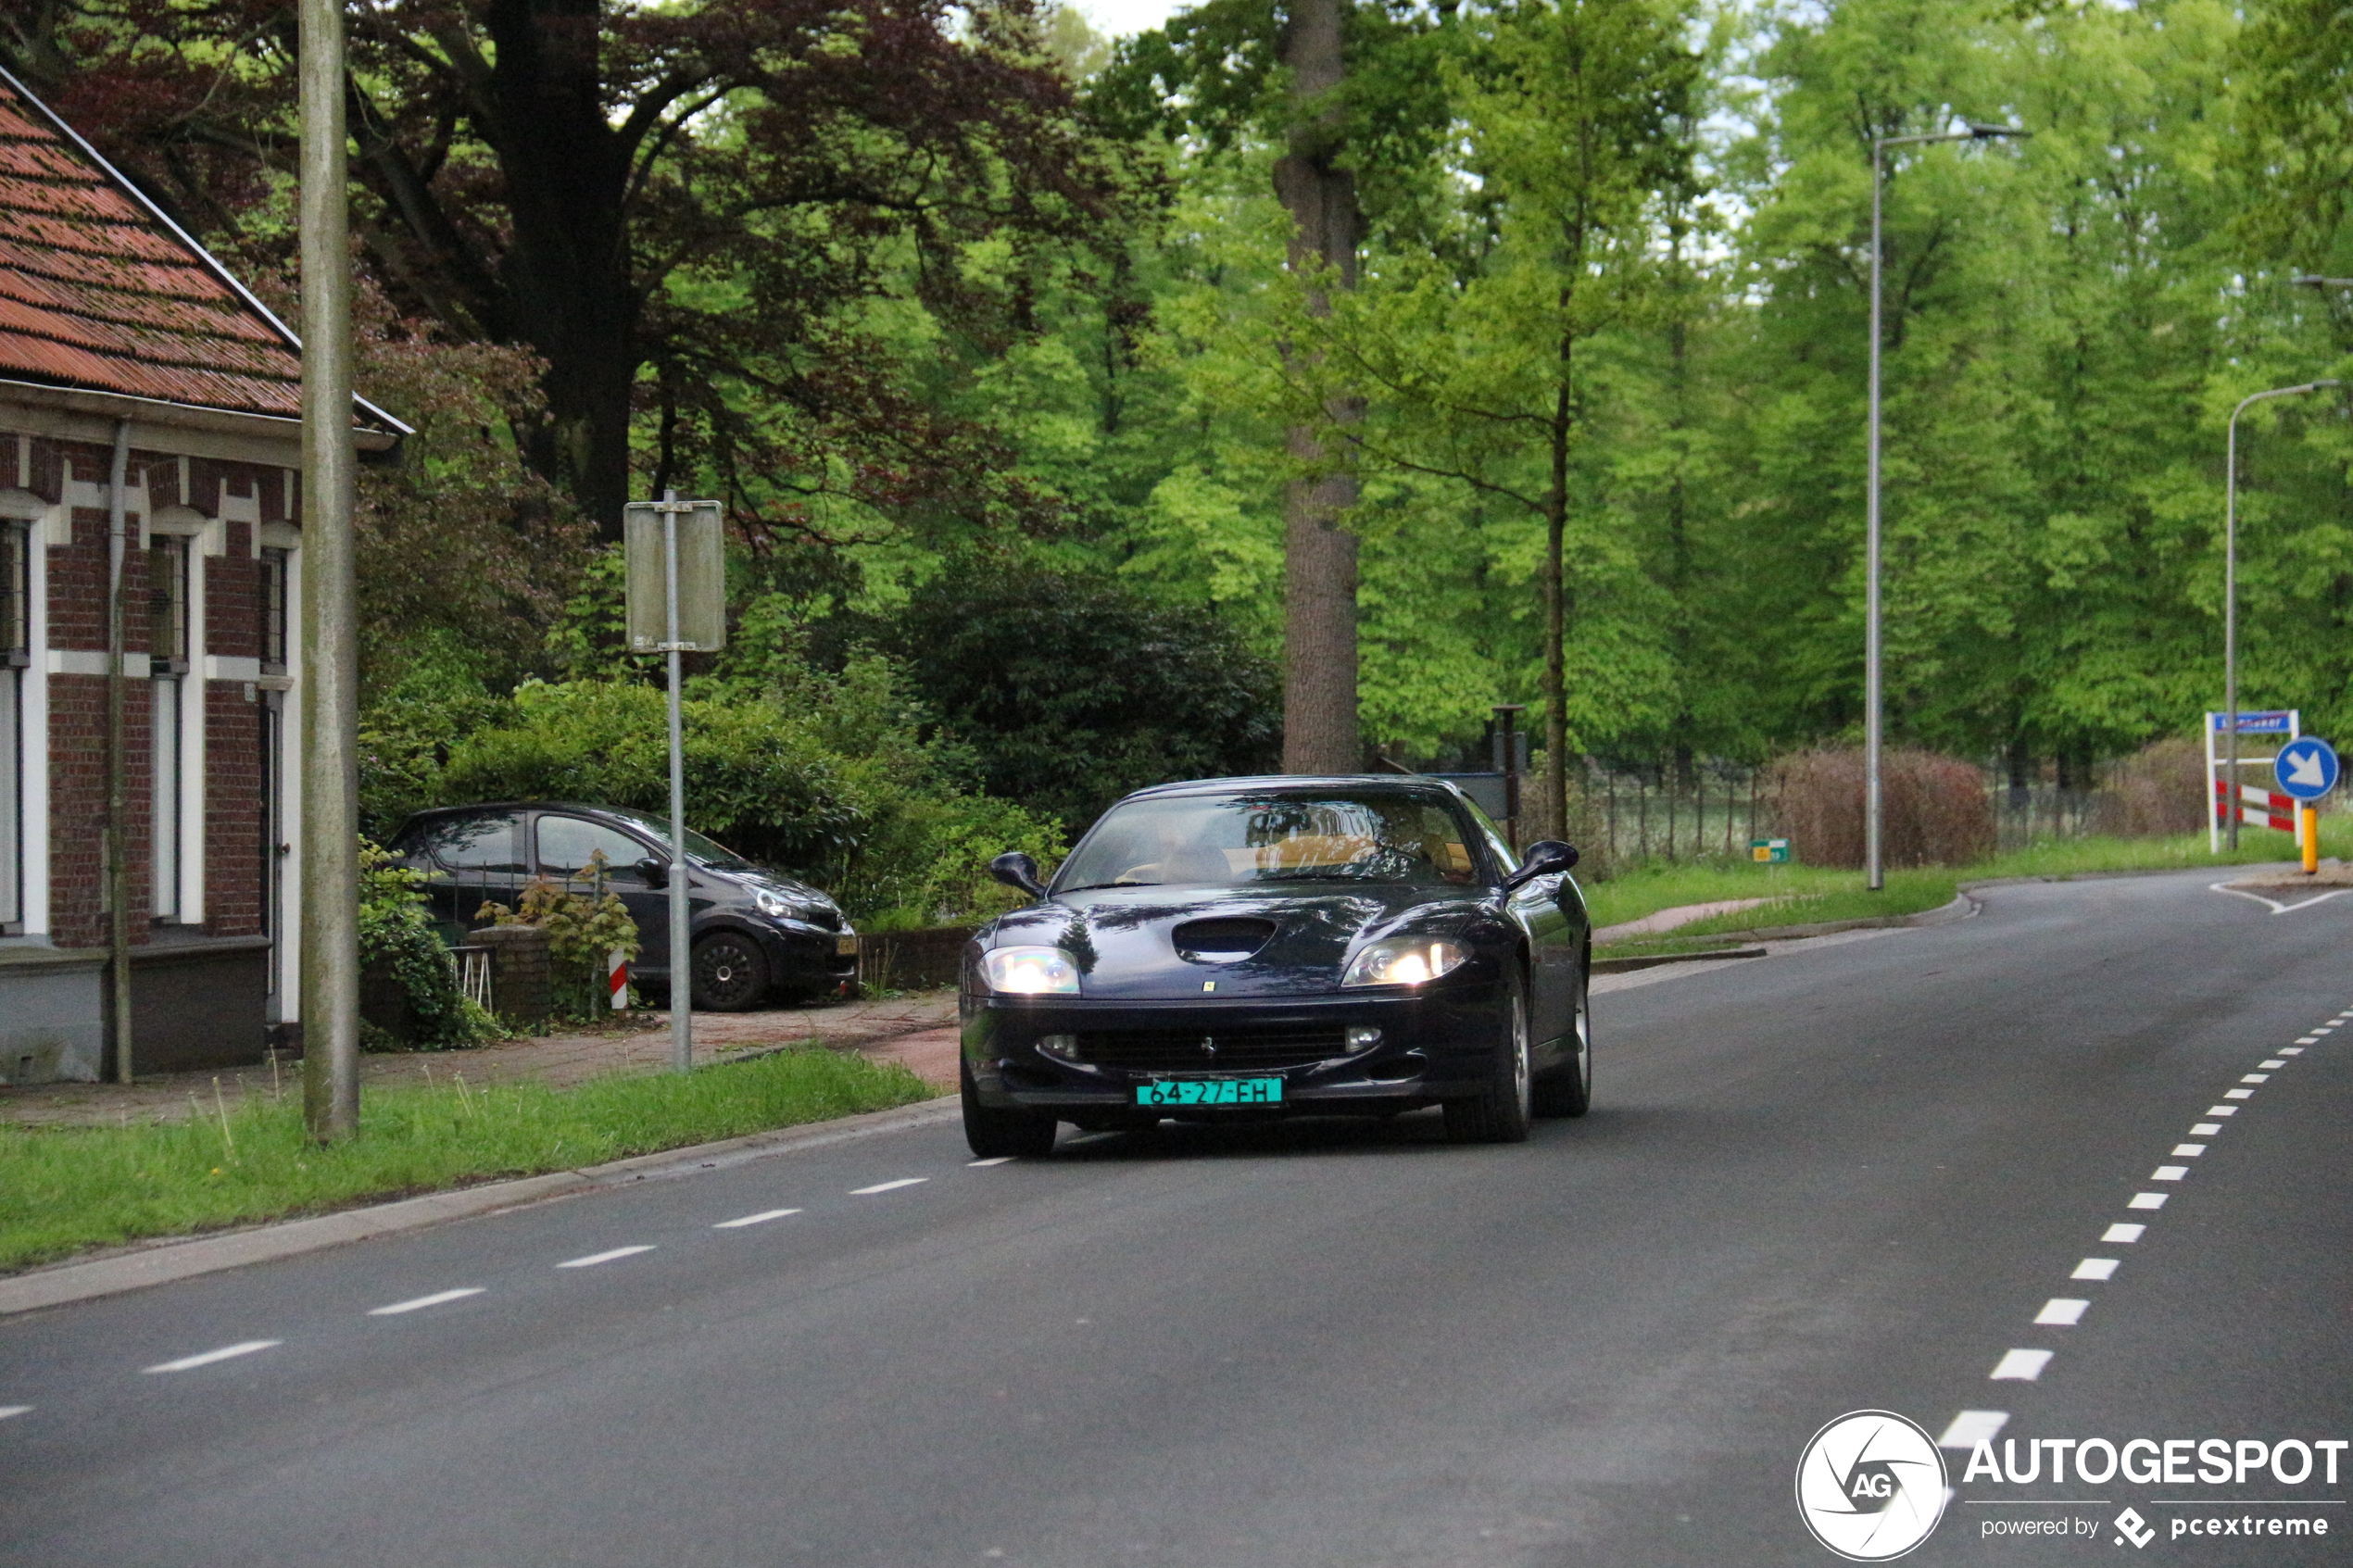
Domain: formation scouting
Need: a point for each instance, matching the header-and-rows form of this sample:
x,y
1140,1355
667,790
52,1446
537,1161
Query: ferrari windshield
x,y
1231,840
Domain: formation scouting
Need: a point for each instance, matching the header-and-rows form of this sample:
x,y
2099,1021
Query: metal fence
x,y
1707,809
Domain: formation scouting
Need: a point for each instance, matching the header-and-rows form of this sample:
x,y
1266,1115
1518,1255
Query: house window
x,y
274,611
15,630
167,669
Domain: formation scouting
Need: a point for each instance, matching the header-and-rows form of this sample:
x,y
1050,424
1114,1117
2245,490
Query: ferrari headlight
x,y
1029,971
1409,962
770,904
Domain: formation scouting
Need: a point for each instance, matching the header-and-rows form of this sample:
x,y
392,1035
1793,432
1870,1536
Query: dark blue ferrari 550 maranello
x,y
1236,949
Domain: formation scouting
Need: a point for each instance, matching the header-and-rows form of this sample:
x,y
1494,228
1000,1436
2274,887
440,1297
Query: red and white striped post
x,y
617,979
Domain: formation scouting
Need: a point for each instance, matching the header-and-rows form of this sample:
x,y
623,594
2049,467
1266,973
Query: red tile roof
x,y
97,290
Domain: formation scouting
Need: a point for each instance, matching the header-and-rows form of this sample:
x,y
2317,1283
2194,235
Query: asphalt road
x,y
1843,1178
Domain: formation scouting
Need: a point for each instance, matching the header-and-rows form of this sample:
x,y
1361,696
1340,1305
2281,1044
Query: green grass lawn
x,y
1803,895
66,1190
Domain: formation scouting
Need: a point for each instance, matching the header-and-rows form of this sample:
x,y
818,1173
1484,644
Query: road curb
x,y
164,1263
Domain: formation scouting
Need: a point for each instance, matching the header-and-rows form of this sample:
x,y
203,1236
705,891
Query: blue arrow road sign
x,y
2306,769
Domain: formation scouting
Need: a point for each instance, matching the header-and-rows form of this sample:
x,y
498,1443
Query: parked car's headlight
x,y
1029,971
1405,963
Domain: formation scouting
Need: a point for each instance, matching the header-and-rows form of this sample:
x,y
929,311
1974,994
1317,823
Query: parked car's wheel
x,y
1501,1114
731,973
1567,1090
1002,1135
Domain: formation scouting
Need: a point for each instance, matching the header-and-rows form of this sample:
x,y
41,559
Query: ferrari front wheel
x,y
1501,1112
992,1133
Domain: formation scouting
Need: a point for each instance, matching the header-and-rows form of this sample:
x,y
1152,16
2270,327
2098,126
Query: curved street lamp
x,y
1876,872
2230,587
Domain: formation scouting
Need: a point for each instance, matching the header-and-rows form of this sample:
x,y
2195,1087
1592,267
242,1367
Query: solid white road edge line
x,y
888,1186
226,1352
594,1259
422,1302
760,1219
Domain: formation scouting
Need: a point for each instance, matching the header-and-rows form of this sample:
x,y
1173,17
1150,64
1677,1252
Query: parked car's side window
x,y
569,844
473,843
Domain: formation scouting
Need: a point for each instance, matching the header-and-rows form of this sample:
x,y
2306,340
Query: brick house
x,y
125,347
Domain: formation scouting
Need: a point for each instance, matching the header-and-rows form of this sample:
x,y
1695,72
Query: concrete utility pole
x,y
1875,869
2230,592
329,640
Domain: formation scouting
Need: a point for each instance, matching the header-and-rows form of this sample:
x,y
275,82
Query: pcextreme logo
x,y
1870,1485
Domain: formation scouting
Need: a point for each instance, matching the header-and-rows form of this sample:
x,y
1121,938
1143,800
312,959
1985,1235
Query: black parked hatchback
x,y
755,933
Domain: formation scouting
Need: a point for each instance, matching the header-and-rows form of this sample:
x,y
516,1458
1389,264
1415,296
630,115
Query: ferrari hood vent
x,y
1226,939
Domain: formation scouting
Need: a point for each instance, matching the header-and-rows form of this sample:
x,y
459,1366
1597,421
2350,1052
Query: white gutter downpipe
x,y
118,764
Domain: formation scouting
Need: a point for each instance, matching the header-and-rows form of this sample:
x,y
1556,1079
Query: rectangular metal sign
x,y
702,575
2274,721
1769,851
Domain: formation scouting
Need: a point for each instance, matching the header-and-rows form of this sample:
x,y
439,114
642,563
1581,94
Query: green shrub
x,y
395,933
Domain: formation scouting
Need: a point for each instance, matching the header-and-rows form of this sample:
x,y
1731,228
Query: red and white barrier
x,y
2258,807
617,979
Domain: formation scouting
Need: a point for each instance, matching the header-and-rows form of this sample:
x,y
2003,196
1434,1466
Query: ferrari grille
x,y
1198,1050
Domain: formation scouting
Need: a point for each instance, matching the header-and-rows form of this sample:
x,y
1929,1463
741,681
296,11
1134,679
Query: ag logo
x,y
1870,1485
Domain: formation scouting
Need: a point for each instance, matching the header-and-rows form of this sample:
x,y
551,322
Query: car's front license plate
x,y
1211,1091
846,945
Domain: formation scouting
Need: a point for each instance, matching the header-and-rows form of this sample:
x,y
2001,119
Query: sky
x,y
1111,17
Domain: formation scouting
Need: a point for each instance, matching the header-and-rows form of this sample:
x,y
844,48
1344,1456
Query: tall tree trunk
x,y
566,273
1319,554
1552,809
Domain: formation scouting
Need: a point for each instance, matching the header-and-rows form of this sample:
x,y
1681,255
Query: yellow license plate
x,y
846,945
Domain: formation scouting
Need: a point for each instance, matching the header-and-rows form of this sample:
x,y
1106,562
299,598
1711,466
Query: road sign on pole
x,y
2285,722
677,566
2307,769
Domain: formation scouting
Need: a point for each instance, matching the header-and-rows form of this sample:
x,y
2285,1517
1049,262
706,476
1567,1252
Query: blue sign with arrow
x,y
2306,769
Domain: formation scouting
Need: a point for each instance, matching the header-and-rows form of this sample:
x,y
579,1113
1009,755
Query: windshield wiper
x,y
1095,886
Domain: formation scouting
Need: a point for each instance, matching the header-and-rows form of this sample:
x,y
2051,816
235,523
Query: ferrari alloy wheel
x,y
1502,1113
1567,1090
731,974
1002,1135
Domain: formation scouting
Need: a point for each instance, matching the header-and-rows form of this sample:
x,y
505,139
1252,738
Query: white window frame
x,y
203,535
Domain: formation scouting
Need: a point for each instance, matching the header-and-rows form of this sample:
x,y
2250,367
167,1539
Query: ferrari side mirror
x,y
1546,856
653,873
1017,870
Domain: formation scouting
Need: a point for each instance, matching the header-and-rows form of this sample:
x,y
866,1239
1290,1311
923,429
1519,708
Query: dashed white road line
x,y
594,1259
2275,1061
2188,1150
2147,1201
7,1411
2238,1094
984,1164
2169,1172
2254,1078
226,1352
1973,1427
2123,1235
422,1302
2221,1110
2021,1366
2206,1129
2063,1311
760,1219
888,1186
2095,1268
2291,1050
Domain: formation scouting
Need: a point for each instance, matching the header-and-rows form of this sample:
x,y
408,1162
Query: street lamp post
x,y
2230,592
1876,870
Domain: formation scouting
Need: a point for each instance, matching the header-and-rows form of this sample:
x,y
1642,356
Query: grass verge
x,y
1803,895
63,1191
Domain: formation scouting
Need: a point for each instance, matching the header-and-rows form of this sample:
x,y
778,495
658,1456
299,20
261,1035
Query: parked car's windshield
x,y
1230,840
702,850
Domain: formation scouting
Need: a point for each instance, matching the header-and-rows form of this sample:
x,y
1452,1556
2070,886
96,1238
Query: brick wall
x,y
233,801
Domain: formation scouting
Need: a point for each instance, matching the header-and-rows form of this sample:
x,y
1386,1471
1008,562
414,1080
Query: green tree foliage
x,y
1073,690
